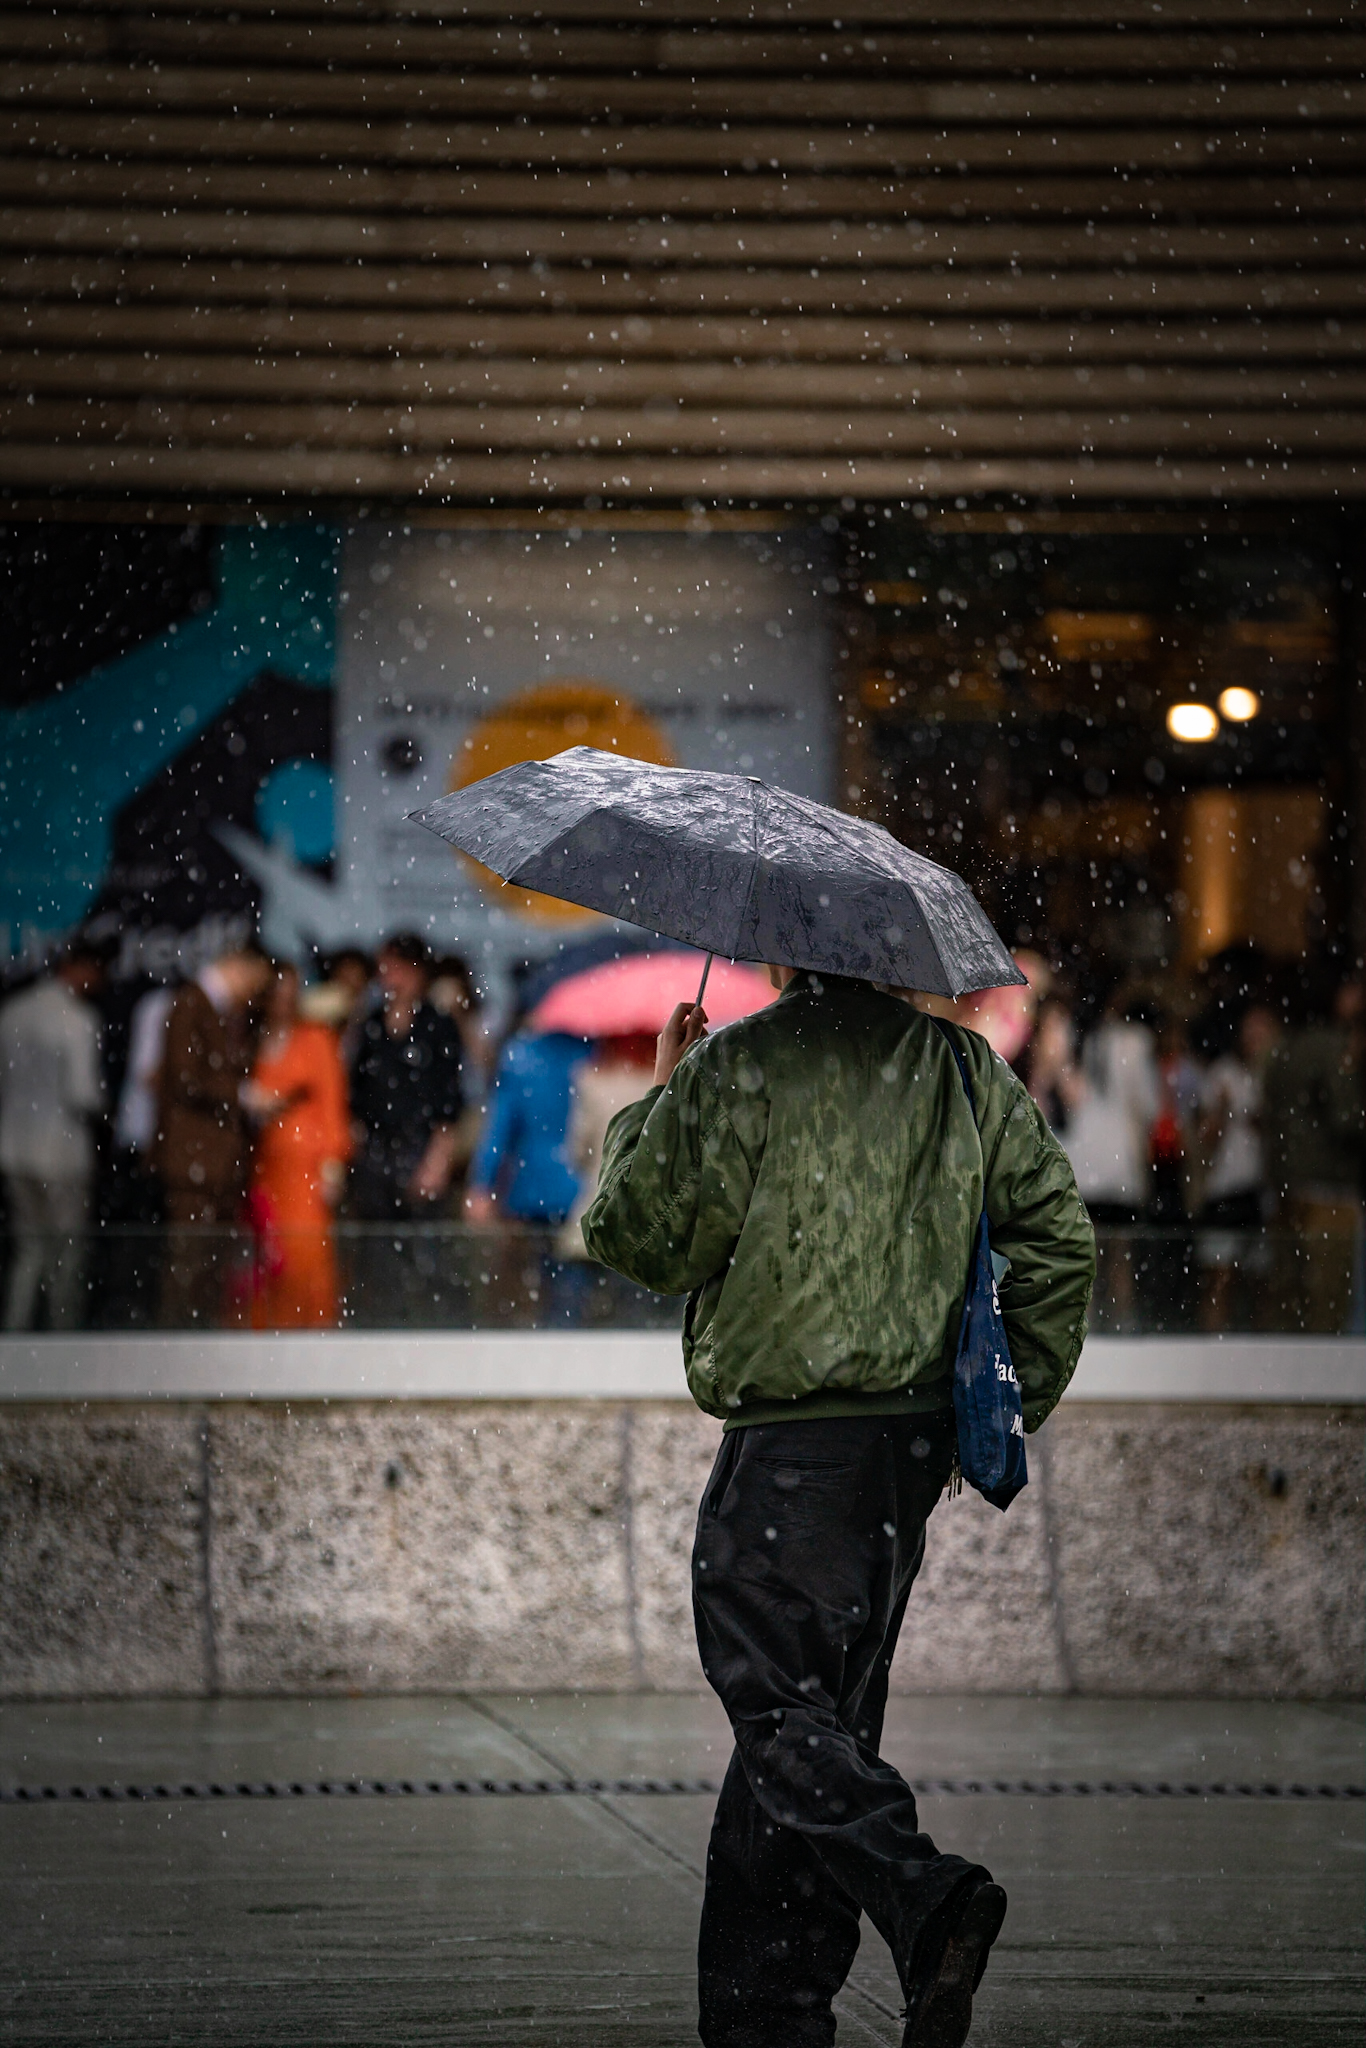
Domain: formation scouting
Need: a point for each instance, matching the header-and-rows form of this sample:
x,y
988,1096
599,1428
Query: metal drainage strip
x,y
521,1788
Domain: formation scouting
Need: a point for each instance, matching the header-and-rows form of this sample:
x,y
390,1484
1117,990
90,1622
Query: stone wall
x,y
377,1547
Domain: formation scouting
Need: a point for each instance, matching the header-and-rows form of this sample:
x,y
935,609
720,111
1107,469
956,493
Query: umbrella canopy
x,y
727,864
626,998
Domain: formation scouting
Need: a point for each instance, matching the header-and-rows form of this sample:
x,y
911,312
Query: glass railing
x,y
360,1276
1183,1279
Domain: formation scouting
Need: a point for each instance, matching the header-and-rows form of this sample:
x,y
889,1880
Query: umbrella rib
x,y
934,947
757,788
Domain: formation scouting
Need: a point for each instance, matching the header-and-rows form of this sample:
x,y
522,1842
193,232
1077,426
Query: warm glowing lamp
x,y
1239,704
1192,722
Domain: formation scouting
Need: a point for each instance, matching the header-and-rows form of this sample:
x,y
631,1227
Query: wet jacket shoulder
x,y
812,1177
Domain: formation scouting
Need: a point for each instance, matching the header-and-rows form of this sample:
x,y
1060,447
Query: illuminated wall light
x,y
1239,704
1192,722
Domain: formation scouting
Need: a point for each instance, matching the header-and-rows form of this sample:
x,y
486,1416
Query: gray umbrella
x,y
728,864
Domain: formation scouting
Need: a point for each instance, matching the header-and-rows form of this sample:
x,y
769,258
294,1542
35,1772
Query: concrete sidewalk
x,y
571,1919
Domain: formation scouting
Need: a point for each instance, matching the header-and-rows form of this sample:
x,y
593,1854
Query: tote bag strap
x,y
1000,1265
951,1042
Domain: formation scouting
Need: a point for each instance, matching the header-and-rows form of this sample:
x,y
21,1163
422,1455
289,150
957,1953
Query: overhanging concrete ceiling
x,y
681,252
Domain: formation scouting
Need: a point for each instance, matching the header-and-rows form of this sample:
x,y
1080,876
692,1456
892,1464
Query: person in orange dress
x,y
297,1095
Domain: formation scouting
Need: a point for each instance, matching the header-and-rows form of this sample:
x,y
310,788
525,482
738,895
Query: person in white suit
x,y
50,1092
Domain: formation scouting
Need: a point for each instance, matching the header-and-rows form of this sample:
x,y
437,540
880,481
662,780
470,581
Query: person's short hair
x,y
452,967
409,946
330,962
80,952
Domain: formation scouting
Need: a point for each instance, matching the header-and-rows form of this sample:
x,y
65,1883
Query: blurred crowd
x,y
218,1130
1217,1129
239,1101
1218,1133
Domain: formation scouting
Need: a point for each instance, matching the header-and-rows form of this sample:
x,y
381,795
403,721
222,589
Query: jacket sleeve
x,y
674,1187
84,1088
446,1100
1274,1120
497,1137
1039,1223
334,1122
1344,1100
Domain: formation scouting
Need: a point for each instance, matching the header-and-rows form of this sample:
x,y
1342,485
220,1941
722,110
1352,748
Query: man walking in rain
x,y
812,1179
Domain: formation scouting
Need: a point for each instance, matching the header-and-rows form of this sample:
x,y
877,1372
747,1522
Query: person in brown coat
x,y
203,1147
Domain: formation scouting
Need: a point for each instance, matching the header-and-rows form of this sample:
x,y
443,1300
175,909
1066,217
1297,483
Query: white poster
x,y
459,651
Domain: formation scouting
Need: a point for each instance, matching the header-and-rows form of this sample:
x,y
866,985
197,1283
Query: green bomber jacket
x,y
811,1178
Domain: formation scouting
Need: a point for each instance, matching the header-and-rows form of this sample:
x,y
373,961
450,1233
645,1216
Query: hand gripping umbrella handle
x,y
702,985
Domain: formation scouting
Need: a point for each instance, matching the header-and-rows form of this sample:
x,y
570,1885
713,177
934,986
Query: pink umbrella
x,y
623,998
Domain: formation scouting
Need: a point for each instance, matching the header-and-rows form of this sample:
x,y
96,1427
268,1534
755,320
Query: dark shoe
x,y
952,1956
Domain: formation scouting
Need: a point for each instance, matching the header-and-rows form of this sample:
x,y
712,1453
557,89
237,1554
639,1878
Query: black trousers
x,y
809,1537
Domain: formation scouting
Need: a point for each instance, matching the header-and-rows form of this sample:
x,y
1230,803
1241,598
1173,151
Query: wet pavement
x,y
571,1918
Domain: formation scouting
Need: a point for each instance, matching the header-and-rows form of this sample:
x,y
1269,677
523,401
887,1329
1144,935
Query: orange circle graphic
x,y
533,725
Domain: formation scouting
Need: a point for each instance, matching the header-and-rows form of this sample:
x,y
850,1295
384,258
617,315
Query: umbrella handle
x,y
702,985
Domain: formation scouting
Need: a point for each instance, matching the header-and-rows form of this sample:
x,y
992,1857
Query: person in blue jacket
x,y
521,1170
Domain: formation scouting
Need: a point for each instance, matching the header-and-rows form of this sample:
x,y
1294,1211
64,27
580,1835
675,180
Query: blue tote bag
x,y
986,1393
